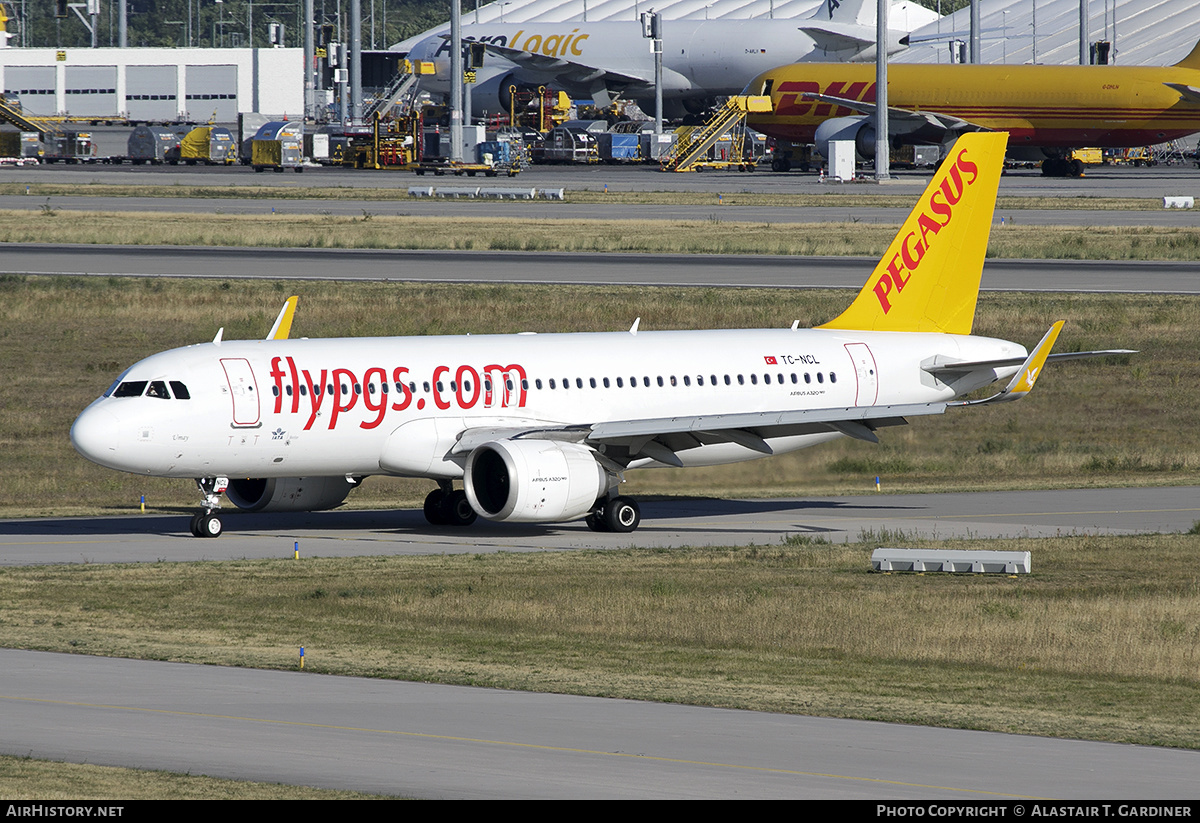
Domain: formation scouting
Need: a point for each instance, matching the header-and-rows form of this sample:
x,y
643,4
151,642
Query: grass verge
x,y
721,233
832,198
1099,643
24,778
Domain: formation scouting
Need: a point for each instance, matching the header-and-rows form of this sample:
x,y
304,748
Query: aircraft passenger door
x,y
243,390
866,373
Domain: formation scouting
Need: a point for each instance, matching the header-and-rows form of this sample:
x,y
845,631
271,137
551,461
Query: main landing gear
x,y
207,523
1062,167
617,514
447,506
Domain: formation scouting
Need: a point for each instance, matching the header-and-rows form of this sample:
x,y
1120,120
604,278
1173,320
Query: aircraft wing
x,y
567,70
1190,94
661,437
906,117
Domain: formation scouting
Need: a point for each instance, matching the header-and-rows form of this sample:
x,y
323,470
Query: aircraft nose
x,y
94,435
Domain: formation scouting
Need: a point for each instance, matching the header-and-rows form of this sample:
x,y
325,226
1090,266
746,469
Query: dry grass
x,y
730,196
1100,642
27,779
721,233
63,340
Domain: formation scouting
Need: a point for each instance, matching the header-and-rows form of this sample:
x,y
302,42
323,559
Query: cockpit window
x,y
130,388
180,390
158,388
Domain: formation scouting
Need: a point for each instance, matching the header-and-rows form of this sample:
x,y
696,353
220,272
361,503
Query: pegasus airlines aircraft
x,y
541,428
1047,110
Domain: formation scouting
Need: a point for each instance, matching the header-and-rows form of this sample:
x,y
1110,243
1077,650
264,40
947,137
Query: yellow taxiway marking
x,y
510,743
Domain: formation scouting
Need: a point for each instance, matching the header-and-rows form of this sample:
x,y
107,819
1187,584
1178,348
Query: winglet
x,y
283,323
1023,381
928,281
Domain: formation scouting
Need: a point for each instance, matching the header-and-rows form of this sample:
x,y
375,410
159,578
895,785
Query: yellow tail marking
x,y
1022,382
283,323
1192,61
928,281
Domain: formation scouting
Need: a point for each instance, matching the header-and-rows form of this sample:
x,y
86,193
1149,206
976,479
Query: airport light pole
x,y
310,98
882,165
456,81
652,29
1084,57
355,62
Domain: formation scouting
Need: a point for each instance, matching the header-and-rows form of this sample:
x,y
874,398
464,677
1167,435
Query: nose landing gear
x,y
207,523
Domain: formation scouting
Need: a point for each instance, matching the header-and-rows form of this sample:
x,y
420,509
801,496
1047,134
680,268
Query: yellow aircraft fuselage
x,y
1045,106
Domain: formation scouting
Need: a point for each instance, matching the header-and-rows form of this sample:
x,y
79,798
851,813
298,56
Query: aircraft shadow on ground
x,y
412,521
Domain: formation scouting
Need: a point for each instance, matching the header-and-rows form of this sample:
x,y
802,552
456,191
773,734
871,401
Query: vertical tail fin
x,y
1192,61
860,12
928,280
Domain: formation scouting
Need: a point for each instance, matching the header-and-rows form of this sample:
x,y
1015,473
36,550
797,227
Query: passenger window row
x,y
687,380
605,382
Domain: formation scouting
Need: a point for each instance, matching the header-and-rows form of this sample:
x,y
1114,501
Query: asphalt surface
x,y
767,271
429,741
666,523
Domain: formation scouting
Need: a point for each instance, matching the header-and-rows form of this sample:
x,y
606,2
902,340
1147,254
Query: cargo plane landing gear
x,y
447,506
1062,167
207,523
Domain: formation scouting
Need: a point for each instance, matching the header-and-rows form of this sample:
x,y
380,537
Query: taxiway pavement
x,y
431,741
666,523
600,269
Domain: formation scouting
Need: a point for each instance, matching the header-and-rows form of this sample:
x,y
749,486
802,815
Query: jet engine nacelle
x,y
533,481
493,95
859,129
288,494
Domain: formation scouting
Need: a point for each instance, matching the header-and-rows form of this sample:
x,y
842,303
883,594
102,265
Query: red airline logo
x,y
795,102
916,243
503,386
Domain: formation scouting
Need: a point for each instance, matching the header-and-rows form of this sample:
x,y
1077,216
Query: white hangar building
x,y
155,84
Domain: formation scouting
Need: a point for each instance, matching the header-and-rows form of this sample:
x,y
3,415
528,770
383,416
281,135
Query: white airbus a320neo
x,y
542,427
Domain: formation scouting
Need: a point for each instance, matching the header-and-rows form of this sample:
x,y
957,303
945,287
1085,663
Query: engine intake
x,y
533,481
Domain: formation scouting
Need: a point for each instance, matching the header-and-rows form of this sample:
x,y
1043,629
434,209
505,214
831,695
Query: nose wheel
x,y
207,523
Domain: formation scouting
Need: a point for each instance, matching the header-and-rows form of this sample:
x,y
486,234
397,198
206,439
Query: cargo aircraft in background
x,y
541,428
702,59
1048,111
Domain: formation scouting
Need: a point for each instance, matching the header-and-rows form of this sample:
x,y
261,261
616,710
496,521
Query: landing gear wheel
x,y
210,525
436,511
780,164
622,515
195,525
1077,168
459,509
595,521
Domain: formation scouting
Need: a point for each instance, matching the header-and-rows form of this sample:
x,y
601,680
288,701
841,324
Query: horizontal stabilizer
x,y
1023,381
964,366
